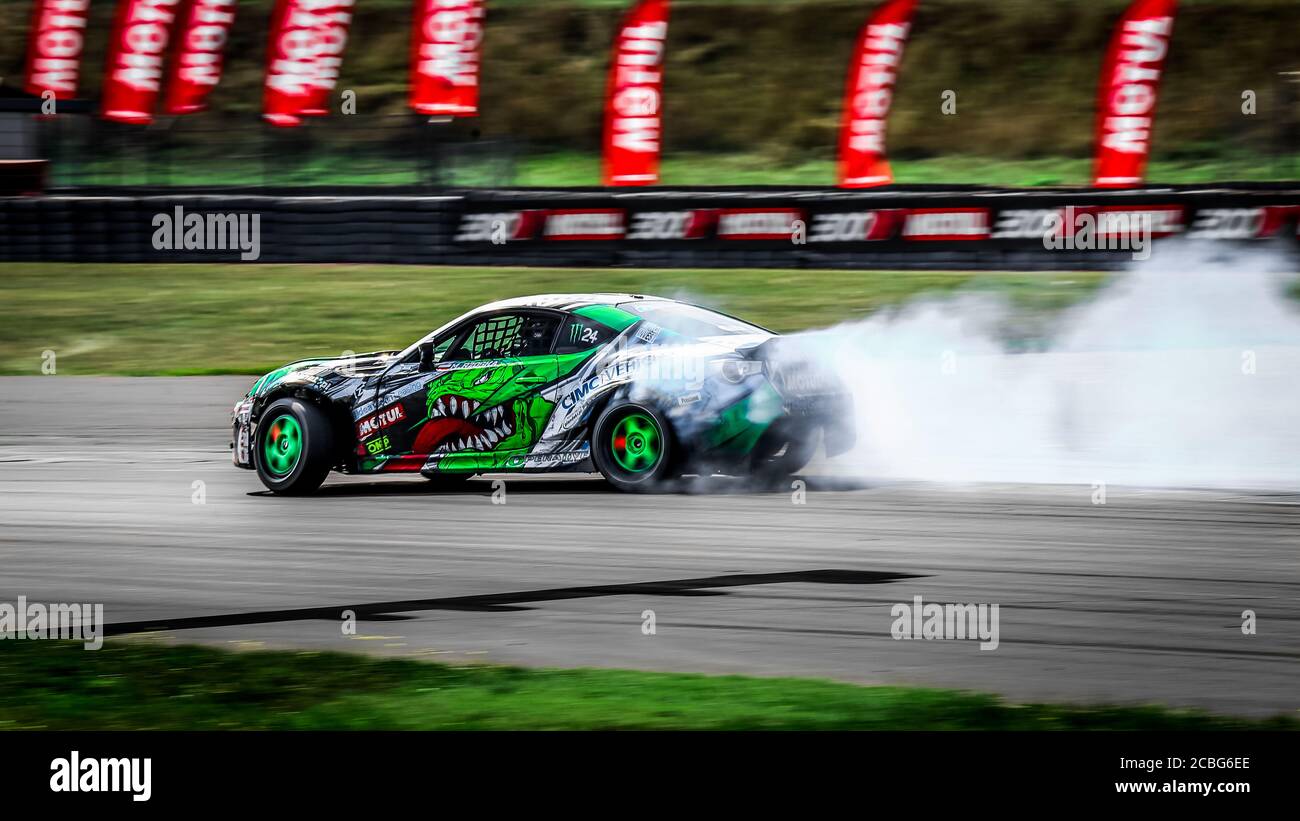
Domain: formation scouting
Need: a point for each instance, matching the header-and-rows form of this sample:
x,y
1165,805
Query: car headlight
x,y
736,370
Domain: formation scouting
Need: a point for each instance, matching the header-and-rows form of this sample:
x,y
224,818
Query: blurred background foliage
x,y
760,81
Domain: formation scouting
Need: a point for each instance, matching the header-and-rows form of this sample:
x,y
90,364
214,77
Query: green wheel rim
x,y
636,443
282,446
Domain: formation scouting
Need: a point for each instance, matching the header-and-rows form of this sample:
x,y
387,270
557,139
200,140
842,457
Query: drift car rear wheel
x,y
294,447
775,459
632,447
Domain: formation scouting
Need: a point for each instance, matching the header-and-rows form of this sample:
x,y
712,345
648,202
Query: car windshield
x,y
690,321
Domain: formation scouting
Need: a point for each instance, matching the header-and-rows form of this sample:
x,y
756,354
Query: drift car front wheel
x,y
632,447
294,447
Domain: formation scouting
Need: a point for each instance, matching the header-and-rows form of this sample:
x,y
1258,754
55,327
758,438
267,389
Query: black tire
x,y
615,467
786,455
314,458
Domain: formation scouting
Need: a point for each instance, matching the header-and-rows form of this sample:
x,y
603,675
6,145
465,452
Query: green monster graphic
x,y
485,418
486,409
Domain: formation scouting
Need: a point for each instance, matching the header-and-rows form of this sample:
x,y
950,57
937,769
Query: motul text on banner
x,y
197,54
290,64
54,45
137,49
1126,99
634,97
868,94
333,18
445,42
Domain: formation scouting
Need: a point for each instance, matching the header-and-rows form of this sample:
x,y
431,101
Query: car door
x,y
478,404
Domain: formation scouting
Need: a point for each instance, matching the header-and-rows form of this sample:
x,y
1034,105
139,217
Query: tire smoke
x,y
1182,372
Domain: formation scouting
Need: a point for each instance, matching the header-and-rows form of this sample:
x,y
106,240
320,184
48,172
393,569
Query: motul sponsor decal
x,y
946,224
1126,100
583,224
499,227
197,56
760,223
856,226
379,420
868,94
688,224
446,39
54,47
634,97
137,47
1240,223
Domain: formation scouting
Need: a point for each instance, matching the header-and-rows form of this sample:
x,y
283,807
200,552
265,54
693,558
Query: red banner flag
x,y
333,19
137,47
634,97
303,60
1126,99
445,41
197,54
290,64
54,46
868,93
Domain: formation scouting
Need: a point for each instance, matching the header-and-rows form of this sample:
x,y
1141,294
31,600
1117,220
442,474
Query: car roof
x,y
567,302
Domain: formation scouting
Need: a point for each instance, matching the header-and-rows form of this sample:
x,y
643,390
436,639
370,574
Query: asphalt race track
x,y
1137,600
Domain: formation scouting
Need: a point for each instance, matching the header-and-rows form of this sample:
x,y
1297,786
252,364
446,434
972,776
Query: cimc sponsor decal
x,y
856,226
379,420
940,224
759,223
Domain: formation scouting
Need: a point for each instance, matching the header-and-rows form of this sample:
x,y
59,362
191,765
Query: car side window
x,y
440,348
509,335
581,334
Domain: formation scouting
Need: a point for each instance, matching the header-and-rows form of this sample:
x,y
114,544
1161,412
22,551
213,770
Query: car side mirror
x,y
426,356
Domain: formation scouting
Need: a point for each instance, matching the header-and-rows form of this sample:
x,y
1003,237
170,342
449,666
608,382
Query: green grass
x,y
137,685
324,166
572,168
218,318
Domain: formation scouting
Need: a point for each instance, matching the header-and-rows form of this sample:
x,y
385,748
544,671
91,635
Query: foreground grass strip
x,y
216,318
137,685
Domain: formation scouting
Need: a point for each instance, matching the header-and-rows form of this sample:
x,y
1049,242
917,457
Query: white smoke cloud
x,y
1182,372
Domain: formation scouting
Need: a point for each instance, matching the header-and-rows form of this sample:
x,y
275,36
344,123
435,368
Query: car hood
x,y
329,370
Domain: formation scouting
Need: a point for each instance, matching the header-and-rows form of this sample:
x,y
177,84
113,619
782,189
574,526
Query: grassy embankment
x,y
756,101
